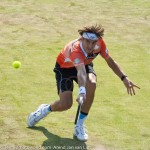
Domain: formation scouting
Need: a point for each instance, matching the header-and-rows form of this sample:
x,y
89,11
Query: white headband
x,y
90,36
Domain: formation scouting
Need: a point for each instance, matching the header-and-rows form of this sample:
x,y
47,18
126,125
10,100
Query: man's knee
x,y
67,104
91,81
91,85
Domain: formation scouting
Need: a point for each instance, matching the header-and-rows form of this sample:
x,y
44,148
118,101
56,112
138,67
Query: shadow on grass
x,y
55,142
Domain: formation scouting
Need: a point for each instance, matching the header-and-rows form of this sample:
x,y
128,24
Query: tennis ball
x,y
16,64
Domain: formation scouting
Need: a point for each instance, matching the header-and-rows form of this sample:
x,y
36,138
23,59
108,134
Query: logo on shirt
x,y
92,56
77,61
67,60
96,47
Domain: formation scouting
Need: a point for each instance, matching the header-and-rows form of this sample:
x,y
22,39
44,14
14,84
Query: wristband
x,y
82,90
123,76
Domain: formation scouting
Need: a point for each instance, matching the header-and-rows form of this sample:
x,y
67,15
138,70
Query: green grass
x,y
34,32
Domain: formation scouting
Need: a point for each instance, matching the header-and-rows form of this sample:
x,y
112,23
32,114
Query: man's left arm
x,y
119,72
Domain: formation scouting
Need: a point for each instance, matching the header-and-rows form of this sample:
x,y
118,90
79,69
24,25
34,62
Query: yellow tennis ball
x,y
16,64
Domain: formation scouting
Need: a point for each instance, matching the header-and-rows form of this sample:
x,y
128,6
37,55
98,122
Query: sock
x,y
82,118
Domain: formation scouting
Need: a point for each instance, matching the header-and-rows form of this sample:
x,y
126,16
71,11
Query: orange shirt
x,y
73,54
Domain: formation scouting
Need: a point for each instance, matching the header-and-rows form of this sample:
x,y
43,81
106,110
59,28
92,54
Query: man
x,y
74,63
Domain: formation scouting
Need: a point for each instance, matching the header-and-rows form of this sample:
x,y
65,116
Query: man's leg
x,y
80,131
64,87
64,103
90,93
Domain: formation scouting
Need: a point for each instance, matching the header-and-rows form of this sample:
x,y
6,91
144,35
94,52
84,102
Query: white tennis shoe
x,y
36,116
81,133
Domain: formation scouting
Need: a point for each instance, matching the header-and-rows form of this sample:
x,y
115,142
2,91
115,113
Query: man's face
x,y
88,45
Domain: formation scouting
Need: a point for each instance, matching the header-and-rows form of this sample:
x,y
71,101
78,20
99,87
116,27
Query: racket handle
x,y
78,110
81,101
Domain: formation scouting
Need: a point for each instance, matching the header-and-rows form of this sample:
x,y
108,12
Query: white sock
x,y
82,118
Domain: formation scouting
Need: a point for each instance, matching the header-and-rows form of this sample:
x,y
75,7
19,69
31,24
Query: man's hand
x,y
130,86
81,98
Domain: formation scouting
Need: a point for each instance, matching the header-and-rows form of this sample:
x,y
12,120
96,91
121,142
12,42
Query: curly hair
x,y
97,29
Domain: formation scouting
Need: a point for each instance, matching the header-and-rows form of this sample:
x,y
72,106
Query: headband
x,y
90,36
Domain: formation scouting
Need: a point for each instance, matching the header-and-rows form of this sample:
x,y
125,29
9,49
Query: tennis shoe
x,y
80,132
36,116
